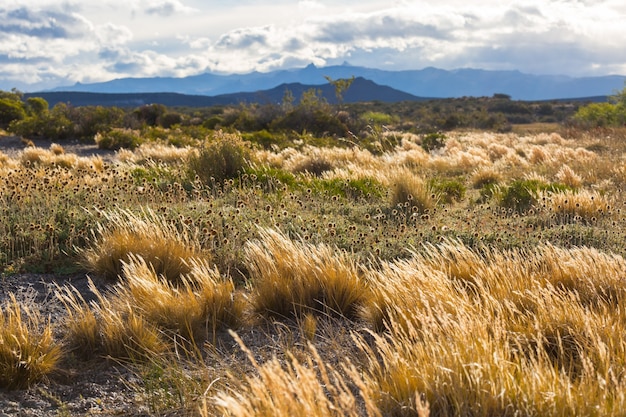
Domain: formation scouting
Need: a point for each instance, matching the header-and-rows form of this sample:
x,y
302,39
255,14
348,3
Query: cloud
x,y
45,24
41,40
166,8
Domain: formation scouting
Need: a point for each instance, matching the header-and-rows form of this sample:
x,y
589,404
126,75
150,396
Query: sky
x,y
48,43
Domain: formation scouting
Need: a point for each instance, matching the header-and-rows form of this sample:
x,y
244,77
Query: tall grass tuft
x,y
224,157
105,327
202,303
409,188
28,351
290,278
166,247
144,311
294,387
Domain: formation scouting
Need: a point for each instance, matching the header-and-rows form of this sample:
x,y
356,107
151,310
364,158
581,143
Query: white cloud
x,y
167,8
41,40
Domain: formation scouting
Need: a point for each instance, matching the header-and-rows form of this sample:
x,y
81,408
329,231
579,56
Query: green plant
x,y
520,195
448,190
433,141
118,138
224,157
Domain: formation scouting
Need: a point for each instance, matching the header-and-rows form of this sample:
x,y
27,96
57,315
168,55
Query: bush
x,y
449,190
601,115
10,110
117,138
433,141
223,158
522,194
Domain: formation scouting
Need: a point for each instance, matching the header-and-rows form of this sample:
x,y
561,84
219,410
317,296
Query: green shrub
x,y
118,138
10,110
377,118
522,194
433,141
449,190
601,115
225,157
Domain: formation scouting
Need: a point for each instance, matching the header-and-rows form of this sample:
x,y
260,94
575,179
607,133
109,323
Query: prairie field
x,y
467,274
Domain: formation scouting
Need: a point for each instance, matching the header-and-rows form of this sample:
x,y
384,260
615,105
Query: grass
x,y
484,278
292,278
28,351
167,248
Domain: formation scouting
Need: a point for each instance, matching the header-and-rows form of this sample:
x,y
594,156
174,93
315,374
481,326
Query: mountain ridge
x,y
426,82
359,91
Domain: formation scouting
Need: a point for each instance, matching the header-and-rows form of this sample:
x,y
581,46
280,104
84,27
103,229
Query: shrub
x,y
520,195
118,138
448,190
28,351
433,141
225,157
10,110
601,115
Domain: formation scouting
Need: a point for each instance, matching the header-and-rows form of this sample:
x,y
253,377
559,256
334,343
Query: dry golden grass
x,y
290,278
157,153
166,247
530,323
28,351
409,188
295,387
194,309
144,312
577,206
490,312
106,328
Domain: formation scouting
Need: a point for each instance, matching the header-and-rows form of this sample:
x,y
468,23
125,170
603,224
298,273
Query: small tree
x,y
341,85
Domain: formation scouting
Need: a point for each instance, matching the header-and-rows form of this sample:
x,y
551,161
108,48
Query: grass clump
x,y
106,328
292,278
143,312
294,387
577,206
28,351
202,303
166,247
409,188
224,157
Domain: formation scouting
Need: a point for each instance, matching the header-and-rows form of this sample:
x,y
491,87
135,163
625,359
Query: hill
x,y
361,90
427,82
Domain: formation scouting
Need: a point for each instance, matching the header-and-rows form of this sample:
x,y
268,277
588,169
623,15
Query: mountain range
x,y
360,90
427,82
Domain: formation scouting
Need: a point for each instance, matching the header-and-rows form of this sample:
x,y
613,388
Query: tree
x,y
341,85
10,110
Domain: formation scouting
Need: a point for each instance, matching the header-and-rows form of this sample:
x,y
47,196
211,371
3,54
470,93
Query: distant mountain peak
x,y
427,82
